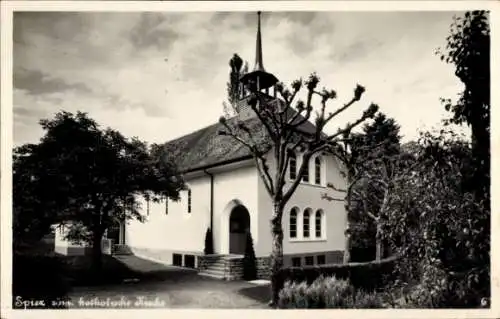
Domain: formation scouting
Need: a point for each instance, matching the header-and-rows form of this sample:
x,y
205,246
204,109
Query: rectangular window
x,y
305,224
296,262
318,229
189,261
293,166
309,261
293,223
317,224
320,259
305,175
317,171
189,201
177,259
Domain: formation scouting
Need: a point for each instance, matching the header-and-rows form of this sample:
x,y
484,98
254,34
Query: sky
x,y
158,76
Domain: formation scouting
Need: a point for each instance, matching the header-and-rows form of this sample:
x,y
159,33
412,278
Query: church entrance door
x,y
239,226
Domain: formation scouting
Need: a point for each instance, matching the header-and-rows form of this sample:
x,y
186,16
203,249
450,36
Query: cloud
x,y
36,82
160,75
154,29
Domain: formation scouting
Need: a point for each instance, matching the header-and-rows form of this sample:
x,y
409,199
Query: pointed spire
x,y
259,63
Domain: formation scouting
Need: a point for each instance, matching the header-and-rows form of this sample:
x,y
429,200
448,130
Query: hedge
x,y
367,275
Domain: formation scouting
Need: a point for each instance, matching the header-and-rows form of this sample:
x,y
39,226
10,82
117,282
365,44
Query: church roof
x,y
205,148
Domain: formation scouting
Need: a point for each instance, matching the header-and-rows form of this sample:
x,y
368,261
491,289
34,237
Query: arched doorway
x,y
239,226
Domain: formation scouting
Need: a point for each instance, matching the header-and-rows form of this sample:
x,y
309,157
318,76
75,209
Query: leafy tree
x,y
369,158
238,68
87,177
249,260
438,227
281,120
209,243
468,48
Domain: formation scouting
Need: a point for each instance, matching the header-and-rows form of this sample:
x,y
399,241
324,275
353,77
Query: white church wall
x,y
182,232
237,184
173,230
307,195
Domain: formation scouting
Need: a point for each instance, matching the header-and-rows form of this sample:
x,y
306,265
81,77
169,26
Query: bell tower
x,y
257,81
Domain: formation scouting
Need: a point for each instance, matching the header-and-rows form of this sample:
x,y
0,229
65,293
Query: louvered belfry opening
x,y
258,81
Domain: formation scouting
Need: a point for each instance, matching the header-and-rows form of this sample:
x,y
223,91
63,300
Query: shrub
x,y
439,289
364,299
249,260
368,276
322,293
209,244
327,292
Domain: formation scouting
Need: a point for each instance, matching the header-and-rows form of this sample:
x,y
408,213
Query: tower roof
x,y
259,75
259,63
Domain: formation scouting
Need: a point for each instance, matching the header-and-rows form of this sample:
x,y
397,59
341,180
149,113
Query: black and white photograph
x,y
251,157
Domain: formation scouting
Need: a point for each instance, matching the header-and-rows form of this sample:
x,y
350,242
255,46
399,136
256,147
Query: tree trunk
x,y
276,262
347,233
347,248
379,244
97,252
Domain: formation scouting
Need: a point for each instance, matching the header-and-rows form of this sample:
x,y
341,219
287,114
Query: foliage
x,y
238,68
209,242
327,292
87,176
468,48
439,227
249,260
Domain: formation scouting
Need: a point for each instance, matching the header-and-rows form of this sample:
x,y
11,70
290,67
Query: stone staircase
x,y
227,267
121,250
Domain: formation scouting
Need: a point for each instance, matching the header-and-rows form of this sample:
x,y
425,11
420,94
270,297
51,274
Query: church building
x,y
226,194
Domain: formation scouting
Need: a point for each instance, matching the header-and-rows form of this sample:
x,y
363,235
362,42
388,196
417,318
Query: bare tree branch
x,y
330,198
261,166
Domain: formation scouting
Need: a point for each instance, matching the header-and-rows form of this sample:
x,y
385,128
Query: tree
x,y
468,48
281,121
88,177
249,260
370,159
209,244
238,68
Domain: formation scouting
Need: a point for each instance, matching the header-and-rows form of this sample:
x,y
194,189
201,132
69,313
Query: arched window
x,y
318,224
189,200
306,223
293,223
293,166
305,175
317,171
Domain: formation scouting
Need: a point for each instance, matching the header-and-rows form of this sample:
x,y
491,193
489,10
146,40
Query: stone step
x,y
215,263
213,270
212,275
121,250
213,267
